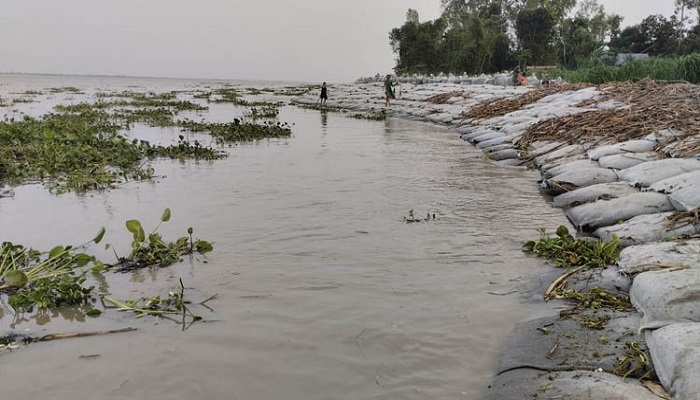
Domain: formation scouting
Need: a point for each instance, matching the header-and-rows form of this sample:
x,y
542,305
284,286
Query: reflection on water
x,y
323,291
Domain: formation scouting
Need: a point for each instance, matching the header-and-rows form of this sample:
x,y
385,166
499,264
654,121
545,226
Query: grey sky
x,y
301,40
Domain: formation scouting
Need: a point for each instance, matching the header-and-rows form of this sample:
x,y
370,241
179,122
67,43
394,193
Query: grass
x,y
685,68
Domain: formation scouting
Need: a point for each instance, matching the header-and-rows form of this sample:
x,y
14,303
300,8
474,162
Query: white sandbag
x,y
566,151
675,355
466,129
540,148
562,165
504,154
666,297
686,199
493,142
578,178
469,137
593,192
488,136
631,146
675,183
684,190
608,212
636,259
648,173
644,229
510,162
627,160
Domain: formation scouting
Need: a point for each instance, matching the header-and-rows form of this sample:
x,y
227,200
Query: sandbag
x,y
648,173
636,259
469,137
644,229
675,183
574,179
666,297
566,151
686,199
608,212
684,190
540,148
591,193
575,385
494,142
675,354
504,154
627,160
630,146
562,165
530,347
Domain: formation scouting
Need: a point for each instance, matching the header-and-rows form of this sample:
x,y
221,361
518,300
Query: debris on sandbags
x,y
502,107
442,98
652,107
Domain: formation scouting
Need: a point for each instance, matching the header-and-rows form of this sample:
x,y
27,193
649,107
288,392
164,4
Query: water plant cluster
x,y
80,152
411,218
172,306
566,251
237,131
57,279
578,255
152,250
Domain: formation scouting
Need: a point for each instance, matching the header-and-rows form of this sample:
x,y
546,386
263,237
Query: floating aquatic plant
x,y
152,250
412,218
172,306
566,251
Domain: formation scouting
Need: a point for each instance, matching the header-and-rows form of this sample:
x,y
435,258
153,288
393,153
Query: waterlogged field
x,y
216,241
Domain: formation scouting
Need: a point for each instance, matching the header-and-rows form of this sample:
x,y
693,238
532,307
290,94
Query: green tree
x,y
418,45
535,31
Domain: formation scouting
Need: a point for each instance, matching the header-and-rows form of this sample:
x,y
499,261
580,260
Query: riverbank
x,y
622,161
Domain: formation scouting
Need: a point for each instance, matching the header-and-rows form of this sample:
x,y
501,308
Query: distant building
x,y
623,58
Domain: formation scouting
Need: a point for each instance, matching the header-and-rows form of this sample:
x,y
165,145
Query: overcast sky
x,y
299,40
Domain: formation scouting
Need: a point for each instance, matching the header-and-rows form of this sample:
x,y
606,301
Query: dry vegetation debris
x,y
500,107
653,106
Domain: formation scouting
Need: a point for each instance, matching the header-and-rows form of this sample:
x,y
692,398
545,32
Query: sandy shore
x,y
621,161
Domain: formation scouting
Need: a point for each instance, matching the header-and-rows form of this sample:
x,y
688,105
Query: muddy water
x,y
324,292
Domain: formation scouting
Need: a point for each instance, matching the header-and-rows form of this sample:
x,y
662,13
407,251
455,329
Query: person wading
x,y
388,90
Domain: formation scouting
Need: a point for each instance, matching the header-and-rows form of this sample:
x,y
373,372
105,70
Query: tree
x,y
535,31
417,44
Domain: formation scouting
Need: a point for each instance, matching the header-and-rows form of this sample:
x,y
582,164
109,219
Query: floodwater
x,y
323,291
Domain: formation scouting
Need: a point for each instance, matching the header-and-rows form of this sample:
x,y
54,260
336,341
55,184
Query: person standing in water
x,y
389,90
324,94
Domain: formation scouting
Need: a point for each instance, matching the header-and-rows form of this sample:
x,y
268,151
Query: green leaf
x,y
166,215
99,236
203,246
99,266
16,279
189,230
93,312
82,259
562,231
134,226
56,251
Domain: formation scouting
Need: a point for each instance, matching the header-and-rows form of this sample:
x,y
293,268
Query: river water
x,y
323,291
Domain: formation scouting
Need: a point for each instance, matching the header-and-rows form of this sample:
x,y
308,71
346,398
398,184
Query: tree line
x,y
485,36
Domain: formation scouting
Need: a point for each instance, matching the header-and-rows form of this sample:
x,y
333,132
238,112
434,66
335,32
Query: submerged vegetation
x,y
79,152
238,130
82,146
172,306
